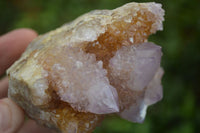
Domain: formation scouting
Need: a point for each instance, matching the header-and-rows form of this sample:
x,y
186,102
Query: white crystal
x,y
82,82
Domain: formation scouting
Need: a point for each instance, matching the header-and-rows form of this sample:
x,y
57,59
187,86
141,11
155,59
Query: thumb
x,y
11,116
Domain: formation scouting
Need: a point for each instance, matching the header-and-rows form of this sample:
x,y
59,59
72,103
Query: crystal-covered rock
x,y
100,63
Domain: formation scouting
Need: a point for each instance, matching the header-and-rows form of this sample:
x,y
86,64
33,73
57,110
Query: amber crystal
x,y
100,63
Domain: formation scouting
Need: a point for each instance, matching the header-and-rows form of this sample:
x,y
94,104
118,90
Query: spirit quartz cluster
x,y
100,63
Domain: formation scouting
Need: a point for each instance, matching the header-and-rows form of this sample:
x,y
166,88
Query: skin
x,y
12,116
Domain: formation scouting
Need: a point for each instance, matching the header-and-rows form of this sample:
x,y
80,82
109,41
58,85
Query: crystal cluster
x,y
100,63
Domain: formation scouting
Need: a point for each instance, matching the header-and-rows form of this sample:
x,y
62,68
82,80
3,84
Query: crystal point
x,y
135,113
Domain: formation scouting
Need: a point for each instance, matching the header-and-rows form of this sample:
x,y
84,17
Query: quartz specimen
x,y
100,63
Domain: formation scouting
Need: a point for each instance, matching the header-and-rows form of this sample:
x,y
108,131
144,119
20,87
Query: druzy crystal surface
x,y
101,63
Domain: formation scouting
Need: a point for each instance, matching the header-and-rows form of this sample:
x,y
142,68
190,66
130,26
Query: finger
x,y
12,45
4,87
32,127
11,116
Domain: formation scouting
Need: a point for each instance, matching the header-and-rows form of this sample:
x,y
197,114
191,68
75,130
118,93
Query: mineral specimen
x,y
101,63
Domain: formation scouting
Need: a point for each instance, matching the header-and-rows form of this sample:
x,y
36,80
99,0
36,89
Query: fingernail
x,y
4,117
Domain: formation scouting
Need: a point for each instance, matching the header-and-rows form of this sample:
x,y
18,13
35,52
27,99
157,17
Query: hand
x,y
12,120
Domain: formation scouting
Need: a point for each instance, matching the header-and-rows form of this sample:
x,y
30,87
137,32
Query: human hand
x,y
12,119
